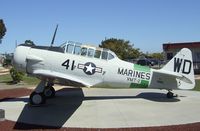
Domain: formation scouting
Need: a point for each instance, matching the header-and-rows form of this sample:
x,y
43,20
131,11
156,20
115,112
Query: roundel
x,y
89,68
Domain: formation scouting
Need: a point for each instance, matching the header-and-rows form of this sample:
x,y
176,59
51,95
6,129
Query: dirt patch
x,y
4,71
13,93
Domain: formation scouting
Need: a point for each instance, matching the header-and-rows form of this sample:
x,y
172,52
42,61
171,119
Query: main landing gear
x,y
43,91
171,95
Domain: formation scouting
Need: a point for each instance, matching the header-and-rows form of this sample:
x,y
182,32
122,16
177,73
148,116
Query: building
x,y
170,50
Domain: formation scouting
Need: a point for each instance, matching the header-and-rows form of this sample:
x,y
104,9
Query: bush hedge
x,y
16,75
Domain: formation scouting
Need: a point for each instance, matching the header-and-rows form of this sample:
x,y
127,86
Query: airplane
x,y
85,65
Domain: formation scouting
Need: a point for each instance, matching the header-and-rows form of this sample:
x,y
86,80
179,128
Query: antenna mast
x,y
54,35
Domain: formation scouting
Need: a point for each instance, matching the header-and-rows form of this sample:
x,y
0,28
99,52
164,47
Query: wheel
x,y
37,99
170,94
49,92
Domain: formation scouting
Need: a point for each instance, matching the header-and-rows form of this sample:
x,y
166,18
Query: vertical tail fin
x,y
182,64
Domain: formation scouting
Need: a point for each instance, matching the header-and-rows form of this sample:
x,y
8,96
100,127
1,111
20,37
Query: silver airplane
x,y
85,65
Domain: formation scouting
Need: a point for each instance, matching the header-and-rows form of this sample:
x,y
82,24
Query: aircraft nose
x,y
19,60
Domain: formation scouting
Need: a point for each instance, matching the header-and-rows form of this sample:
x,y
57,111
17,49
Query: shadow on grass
x,y
9,82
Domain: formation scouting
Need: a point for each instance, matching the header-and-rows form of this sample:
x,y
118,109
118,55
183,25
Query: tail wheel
x,y
49,92
37,98
170,94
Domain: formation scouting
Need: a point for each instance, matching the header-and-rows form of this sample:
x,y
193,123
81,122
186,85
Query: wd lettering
x,y
177,64
187,65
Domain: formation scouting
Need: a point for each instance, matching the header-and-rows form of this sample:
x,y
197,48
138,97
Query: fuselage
x,y
104,70
73,63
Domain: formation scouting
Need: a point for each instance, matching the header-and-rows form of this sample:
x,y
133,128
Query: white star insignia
x,y
89,68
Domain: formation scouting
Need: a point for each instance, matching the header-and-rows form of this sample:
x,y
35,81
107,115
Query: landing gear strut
x,y
49,92
170,95
43,91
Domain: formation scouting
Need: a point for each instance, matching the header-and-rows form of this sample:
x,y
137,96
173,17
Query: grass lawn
x,y
197,86
5,78
26,79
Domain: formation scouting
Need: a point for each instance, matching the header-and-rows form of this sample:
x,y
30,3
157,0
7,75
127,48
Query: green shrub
x,y
7,63
16,75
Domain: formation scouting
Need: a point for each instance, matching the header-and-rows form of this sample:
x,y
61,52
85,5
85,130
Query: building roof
x,y
167,46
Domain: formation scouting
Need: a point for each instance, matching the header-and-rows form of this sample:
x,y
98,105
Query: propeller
x,y
54,35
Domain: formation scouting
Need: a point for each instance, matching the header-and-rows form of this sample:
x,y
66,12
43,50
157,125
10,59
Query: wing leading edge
x,y
54,74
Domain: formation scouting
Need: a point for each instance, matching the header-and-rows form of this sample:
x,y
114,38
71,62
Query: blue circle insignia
x,y
89,68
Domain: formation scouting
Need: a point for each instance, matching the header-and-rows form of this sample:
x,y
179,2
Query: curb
x,y
2,115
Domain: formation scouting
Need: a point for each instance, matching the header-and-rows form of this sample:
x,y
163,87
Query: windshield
x,y
87,50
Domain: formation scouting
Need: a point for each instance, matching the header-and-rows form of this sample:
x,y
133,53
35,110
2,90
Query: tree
x,y
2,29
158,56
29,42
122,48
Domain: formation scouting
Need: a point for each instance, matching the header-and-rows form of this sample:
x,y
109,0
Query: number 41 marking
x,y
67,64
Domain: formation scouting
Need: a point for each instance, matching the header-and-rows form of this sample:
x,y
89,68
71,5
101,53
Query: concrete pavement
x,y
107,108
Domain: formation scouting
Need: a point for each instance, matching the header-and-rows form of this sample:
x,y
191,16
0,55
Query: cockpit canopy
x,y
87,50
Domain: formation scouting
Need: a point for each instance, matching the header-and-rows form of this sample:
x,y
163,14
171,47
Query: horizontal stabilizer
x,y
177,73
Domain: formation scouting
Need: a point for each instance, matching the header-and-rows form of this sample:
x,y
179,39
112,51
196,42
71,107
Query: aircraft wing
x,y
47,73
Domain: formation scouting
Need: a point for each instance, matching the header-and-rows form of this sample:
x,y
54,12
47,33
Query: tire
x,y
37,99
49,92
170,95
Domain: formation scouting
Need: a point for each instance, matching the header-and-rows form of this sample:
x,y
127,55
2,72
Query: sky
x,y
145,23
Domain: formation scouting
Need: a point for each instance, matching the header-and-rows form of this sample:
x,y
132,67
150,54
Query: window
x,y
70,48
97,54
197,56
77,50
169,56
83,51
104,55
90,52
63,48
110,56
